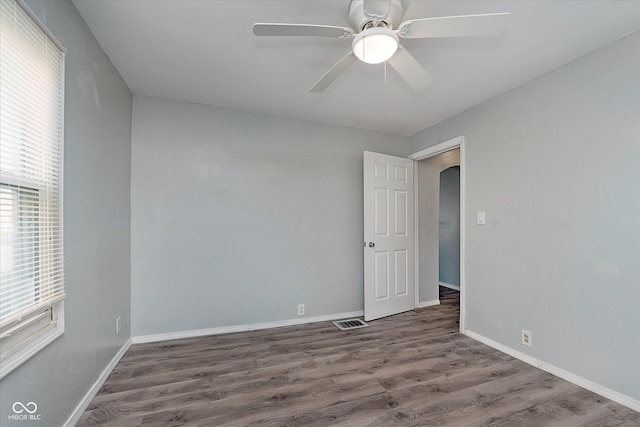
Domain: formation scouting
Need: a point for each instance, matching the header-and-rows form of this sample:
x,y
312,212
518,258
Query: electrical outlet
x,y
527,338
118,324
482,219
300,309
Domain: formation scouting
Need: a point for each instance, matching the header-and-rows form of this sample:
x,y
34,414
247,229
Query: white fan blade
x,y
304,30
410,70
334,72
488,25
376,9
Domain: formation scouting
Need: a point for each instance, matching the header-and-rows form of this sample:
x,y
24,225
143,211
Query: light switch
x,y
481,220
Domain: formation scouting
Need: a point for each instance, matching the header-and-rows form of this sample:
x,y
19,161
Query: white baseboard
x,y
603,391
242,328
424,304
450,286
88,397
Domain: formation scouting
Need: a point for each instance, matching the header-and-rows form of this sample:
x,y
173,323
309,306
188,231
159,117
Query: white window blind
x,y
31,227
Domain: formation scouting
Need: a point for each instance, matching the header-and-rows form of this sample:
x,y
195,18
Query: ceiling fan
x,y
376,41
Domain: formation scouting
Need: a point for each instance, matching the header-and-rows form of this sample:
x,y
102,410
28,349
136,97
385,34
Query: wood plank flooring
x,y
412,369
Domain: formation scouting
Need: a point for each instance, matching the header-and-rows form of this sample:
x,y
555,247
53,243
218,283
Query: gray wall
x,y
555,164
97,147
449,226
428,221
238,217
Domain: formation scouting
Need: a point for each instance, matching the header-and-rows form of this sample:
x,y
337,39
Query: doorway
x,y
392,215
449,228
447,157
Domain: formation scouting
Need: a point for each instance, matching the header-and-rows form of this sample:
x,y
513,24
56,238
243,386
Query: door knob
x,y
371,244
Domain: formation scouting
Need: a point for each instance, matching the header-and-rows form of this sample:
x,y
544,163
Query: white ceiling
x,y
205,52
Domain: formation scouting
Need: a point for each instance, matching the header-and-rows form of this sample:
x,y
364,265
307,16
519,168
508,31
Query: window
x,y
31,244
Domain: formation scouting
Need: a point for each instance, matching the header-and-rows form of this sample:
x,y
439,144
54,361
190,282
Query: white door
x,y
388,232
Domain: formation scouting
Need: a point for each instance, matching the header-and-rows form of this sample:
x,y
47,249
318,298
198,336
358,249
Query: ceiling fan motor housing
x,y
359,20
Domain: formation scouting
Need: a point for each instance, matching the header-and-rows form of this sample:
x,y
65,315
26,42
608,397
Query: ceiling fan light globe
x,y
375,45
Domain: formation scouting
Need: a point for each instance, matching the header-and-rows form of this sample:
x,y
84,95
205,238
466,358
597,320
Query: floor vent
x,y
350,324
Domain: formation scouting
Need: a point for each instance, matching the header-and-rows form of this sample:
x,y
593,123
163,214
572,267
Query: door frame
x,y
451,144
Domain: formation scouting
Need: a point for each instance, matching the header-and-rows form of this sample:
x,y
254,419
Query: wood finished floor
x,y
412,369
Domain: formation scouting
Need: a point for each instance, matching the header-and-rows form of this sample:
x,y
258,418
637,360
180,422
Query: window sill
x,y
34,343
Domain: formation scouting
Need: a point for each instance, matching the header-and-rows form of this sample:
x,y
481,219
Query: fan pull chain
x,y
385,72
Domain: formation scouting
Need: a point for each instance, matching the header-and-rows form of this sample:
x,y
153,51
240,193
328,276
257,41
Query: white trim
x,y
452,144
449,285
438,148
41,24
91,393
33,344
463,233
603,391
503,348
242,328
416,234
428,303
